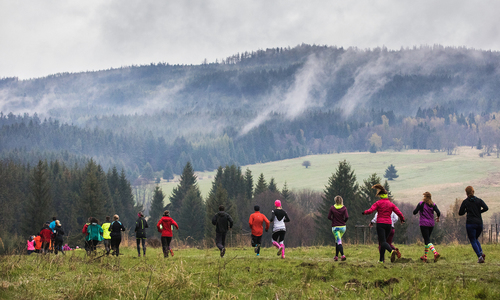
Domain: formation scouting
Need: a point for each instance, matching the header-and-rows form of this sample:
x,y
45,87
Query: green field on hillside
x,y
305,273
444,176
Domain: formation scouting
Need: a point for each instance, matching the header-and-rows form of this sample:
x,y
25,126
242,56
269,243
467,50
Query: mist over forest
x,y
255,106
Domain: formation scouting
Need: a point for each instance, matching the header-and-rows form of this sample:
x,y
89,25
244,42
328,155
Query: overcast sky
x,y
38,38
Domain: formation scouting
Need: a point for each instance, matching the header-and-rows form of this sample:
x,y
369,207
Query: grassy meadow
x,y
444,176
305,273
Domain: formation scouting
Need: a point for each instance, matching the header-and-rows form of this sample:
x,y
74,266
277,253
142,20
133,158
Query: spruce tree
x,y
391,173
192,214
38,208
217,197
248,184
261,185
285,193
156,210
342,183
272,186
127,200
168,173
187,180
92,202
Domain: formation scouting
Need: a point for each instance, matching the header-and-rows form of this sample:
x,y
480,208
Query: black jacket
x,y
116,228
474,207
222,221
140,228
58,233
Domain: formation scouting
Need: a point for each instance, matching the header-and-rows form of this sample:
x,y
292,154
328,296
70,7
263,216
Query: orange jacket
x,y
255,223
38,242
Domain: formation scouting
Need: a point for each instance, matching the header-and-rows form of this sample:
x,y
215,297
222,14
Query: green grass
x,y
306,273
444,176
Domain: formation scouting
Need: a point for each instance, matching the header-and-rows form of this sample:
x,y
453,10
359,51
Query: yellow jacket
x,y
106,232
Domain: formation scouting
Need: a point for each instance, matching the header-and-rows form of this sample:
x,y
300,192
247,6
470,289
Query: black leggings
x,y
426,234
139,240
115,244
279,236
165,244
383,231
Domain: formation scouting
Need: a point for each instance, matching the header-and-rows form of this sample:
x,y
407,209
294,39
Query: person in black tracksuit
x,y
116,229
58,238
222,221
140,233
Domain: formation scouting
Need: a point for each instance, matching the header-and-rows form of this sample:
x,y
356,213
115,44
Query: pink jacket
x,y
31,245
384,207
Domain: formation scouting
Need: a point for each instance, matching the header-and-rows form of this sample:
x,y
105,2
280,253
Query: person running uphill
x,y
279,217
255,223
140,233
94,236
384,207
106,235
426,209
338,215
474,207
165,227
390,237
222,222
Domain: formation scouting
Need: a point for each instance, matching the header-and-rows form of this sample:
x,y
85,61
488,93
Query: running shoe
x,y
172,252
256,250
222,252
394,254
423,259
279,251
484,256
336,258
343,258
399,253
480,260
436,256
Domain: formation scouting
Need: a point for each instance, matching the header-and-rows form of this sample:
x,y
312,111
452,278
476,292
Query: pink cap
x,y
277,203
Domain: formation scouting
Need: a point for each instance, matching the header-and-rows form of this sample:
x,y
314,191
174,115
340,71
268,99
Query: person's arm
x,y
137,226
346,216
438,212
484,207
267,223
122,227
158,226
146,224
287,219
463,209
214,219
371,209
250,221
420,207
399,213
330,214
374,220
175,224
271,219
230,221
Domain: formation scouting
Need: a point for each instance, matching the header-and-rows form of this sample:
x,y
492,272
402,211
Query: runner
x,y
106,235
426,209
339,216
116,229
255,223
390,237
58,238
46,237
165,227
384,207
94,236
474,207
223,222
140,233
279,217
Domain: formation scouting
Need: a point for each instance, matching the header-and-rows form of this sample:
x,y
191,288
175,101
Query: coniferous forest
x,y
75,145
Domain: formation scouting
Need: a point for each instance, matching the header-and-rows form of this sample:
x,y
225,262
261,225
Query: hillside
x,y
444,176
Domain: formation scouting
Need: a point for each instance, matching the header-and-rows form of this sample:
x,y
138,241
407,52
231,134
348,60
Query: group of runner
x,y
387,214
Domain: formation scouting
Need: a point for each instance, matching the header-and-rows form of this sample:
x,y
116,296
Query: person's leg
x,y
218,240
427,239
118,241
473,235
143,241
164,246
169,240
390,237
107,246
275,238
338,232
282,243
479,230
258,241
383,231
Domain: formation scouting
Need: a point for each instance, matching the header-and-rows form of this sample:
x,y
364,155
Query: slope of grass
x,y
444,176
306,273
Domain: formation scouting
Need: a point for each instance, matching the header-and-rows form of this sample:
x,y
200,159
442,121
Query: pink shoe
x,y
336,258
283,251
343,258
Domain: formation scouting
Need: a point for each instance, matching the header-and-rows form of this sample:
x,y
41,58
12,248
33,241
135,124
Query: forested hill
x,y
254,107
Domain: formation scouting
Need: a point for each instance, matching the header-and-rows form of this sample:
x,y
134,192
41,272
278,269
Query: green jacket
x,y
95,232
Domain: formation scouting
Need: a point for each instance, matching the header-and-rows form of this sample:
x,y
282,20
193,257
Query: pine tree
x,y
217,197
248,184
168,173
187,180
285,193
157,206
38,208
391,173
147,172
127,200
272,186
261,185
342,183
114,185
191,215
92,200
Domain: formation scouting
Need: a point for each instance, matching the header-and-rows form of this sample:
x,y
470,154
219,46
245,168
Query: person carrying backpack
x,y
140,233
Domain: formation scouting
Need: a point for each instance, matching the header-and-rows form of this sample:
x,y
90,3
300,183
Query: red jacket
x,y
46,235
166,223
255,223
384,207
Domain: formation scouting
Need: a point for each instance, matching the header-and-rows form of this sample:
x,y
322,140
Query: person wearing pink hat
x,y
279,217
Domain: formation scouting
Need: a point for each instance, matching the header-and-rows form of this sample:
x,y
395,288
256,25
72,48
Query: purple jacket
x,y
338,216
426,213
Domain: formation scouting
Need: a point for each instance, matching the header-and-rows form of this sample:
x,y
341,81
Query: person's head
x,y
54,218
469,191
58,223
108,218
381,192
221,207
31,238
256,208
140,214
277,203
94,220
116,217
90,219
166,213
428,198
339,200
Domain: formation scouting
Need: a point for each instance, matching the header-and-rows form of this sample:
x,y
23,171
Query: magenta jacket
x,y
384,207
